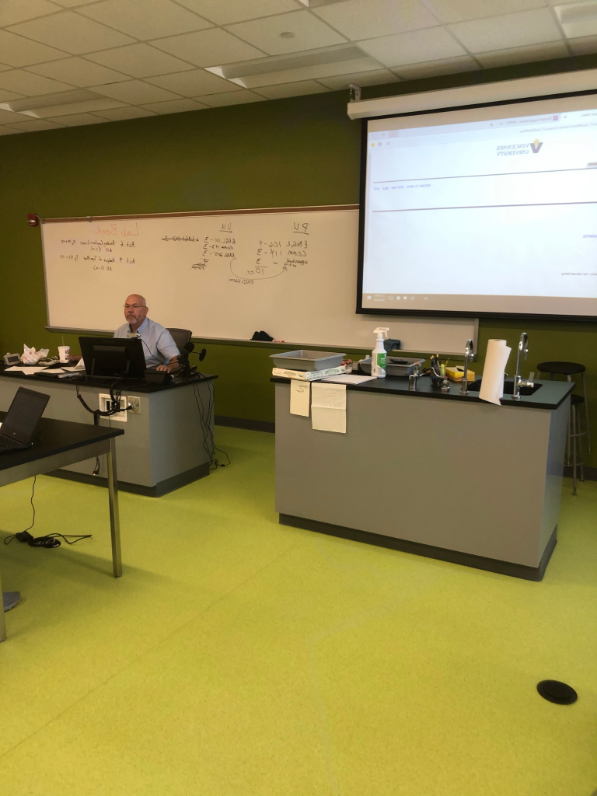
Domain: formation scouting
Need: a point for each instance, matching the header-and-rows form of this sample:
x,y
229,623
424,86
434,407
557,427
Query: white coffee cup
x,y
64,353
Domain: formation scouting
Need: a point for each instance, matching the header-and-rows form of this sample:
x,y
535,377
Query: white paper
x,y
328,407
300,393
28,371
492,384
349,379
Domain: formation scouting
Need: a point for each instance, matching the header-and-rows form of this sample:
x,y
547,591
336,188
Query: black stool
x,y
570,369
576,434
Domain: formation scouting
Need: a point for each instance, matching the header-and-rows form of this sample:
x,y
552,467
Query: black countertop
x,y
549,396
56,436
82,381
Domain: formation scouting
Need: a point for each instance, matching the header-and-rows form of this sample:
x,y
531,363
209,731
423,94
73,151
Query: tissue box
x,y
457,372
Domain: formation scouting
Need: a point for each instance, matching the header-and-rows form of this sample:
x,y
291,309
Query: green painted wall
x,y
301,151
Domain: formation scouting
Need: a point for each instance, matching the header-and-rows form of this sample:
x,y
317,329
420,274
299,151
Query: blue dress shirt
x,y
158,345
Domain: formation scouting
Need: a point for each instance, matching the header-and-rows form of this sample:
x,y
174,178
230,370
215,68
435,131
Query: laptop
x,y
22,419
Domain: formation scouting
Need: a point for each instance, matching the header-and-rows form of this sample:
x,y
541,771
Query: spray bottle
x,y
378,355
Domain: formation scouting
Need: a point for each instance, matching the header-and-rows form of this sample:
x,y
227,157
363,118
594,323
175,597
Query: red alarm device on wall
x,y
32,219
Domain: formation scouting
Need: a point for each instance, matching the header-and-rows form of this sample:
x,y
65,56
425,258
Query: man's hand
x,y
170,367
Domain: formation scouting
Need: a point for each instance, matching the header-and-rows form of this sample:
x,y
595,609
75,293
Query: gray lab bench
x,y
163,447
441,475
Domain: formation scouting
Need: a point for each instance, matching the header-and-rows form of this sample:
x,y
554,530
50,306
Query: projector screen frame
x,y
362,216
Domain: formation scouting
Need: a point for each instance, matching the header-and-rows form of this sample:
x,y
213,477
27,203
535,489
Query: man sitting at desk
x,y
159,348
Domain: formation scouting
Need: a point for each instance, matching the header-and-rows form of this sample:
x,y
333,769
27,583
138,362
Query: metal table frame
x,y
54,462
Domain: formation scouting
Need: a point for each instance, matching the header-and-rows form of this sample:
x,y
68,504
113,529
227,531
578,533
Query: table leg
x,y
114,515
2,618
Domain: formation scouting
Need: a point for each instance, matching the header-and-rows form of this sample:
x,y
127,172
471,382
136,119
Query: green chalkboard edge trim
x,y
189,213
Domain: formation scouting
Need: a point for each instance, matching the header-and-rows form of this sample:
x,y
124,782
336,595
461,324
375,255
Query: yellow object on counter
x,y
456,373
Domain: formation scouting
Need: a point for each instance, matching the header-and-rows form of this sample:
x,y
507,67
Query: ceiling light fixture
x,y
281,63
29,105
320,3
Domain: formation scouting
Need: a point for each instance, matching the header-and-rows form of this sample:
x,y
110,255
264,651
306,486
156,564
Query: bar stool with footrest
x,y
576,433
569,369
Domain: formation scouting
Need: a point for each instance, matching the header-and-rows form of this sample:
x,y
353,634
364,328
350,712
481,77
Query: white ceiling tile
x,y
241,97
78,71
4,67
8,117
431,44
309,33
523,55
72,33
7,131
459,10
292,89
175,106
140,60
77,107
360,19
121,114
6,96
510,30
34,125
578,20
447,66
135,92
13,11
208,48
29,84
310,72
223,12
78,119
193,84
18,51
583,46
73,3
375,78
148,19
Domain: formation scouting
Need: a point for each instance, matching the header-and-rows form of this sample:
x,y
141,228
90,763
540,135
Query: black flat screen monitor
x,y
115,357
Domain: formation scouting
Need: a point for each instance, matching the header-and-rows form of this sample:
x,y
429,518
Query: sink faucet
x,y
523,348
468,352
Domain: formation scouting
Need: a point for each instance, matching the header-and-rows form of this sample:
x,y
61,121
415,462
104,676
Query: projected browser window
x,y
483,214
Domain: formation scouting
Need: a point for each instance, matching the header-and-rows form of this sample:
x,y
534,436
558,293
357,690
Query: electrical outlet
x,y
105,404
135,404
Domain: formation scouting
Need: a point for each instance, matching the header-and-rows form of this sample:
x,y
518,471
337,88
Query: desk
x,y
442,475
58,444
164,445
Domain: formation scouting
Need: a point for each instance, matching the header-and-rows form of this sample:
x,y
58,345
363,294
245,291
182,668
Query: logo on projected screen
x,y
505,150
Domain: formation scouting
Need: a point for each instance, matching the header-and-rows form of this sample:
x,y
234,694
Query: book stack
x,y
310,375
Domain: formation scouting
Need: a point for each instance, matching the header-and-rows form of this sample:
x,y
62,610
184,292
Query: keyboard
x,y
8,444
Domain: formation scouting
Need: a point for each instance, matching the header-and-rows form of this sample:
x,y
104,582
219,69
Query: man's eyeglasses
x,y
133,306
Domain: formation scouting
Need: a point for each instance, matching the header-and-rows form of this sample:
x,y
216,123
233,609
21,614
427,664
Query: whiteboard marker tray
x,y
307,360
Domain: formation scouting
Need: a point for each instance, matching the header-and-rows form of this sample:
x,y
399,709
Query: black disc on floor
x,y
555,691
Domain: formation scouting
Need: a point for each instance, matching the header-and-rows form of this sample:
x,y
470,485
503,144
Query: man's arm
x,y
168,348
171,366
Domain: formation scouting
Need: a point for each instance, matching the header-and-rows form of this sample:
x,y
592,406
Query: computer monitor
x,y
114,357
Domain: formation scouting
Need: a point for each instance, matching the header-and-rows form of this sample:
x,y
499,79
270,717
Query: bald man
x,y
159,348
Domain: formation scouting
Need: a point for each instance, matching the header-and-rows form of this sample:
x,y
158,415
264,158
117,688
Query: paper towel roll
x,y
492,386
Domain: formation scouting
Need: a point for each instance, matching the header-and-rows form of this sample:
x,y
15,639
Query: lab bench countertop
x,y
550,395
102,383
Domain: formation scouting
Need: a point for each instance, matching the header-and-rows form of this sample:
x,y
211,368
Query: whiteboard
x,y
291,272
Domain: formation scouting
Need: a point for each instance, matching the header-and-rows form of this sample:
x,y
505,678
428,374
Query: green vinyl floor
x,y
239,657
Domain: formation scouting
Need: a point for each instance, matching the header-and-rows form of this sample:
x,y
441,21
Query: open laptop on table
x,y
22,419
